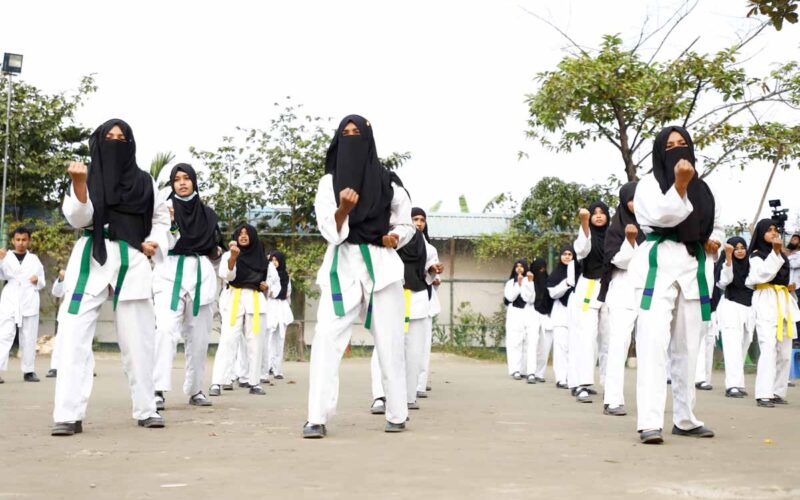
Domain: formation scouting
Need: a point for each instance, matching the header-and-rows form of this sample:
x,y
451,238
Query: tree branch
x,y
671,29
559,30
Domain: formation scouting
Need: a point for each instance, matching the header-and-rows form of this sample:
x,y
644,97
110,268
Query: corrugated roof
x,y
466,225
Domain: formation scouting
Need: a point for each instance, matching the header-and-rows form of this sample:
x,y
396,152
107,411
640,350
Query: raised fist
x,y
77,171
684,171
584,215
234,249
347,200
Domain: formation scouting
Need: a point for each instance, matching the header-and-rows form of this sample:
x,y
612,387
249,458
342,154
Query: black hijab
x,y
353,162
197,222
615,235
542,303
761,249
559,273
282,273
698,226
414,255
594,263
121,193
251,266
736,290
519,302
418,211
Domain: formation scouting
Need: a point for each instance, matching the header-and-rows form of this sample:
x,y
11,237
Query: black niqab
x,y
542,302
414,255
519,302
197,222
615,236
697,228
122,194
736,290
353,162
251,266
761,249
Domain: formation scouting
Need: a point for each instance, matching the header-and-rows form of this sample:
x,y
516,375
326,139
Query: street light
x,y
12,64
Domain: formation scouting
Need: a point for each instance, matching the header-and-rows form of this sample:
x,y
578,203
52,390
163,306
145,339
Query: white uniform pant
x,y
135,324
543,350
425,366
239,369
414,350
227,348
560,353
55,352
28,332
515,338
670,328
772,375
531,343
588,342
331,338
736,339
621,322
705,353
273,351
195,331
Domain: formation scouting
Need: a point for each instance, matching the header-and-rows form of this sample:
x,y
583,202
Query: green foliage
x,y
503,202
157,165
395,160
620,96
462,203
435,207
43,138
778,11
473,334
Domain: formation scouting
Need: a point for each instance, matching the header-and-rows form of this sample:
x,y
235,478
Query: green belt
x,y
647,296
176,287
83,275
336,287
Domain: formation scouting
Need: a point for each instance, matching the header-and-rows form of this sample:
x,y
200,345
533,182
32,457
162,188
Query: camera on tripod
x,y
779,215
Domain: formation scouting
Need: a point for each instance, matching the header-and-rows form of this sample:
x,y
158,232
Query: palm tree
x,y
160,161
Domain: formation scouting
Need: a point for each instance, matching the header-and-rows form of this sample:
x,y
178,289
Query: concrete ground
x,y
479,435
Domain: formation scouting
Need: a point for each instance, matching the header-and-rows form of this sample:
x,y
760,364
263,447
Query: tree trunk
x,y
766,188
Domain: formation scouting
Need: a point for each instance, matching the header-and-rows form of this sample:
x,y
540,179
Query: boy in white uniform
x,y
19,303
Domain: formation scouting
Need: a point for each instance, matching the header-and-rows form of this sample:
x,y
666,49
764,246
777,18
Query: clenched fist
x,y
149,248
77,171
584,215
389,240
347,200
728,253
684,171
233,247
631,231
712,247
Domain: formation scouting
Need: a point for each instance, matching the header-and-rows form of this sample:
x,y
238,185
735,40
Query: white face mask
x,y
185,198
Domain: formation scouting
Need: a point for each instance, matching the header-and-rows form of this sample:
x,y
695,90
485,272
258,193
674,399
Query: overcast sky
x,y
445,80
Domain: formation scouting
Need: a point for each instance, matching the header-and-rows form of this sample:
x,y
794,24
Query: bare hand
x,y
712,247
233,247
149,248
347,200
530,276
684,171
171,214
437,268
389,240
61,275
437,282
631,231
584,216
792,287
34,279
777,244
728,253
78,172
263,286
3,253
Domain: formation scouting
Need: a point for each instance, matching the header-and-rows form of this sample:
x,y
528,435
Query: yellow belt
x,y
407,295
789,328
588,299
237,295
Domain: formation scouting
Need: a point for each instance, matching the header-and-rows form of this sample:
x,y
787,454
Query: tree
x,y
547,218
623,97
157,164
43,138
778,11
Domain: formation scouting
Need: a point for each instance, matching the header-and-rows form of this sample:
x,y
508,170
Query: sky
x,y
444,80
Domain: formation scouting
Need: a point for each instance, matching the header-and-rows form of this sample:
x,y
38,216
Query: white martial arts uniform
x,y
419,309
774,362
588,330
134,316
559,318
434,310
19,307
673,325
517,319
544,345
243,312
58,292
737,323
622,311
705,351
530,343
279,317
182,323
333,332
